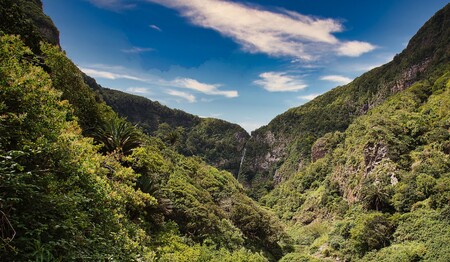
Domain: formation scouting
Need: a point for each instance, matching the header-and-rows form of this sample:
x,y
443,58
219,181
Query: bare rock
x,y
373,154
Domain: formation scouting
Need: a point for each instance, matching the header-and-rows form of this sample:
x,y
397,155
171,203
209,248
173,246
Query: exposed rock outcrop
x,y
373,155
276,149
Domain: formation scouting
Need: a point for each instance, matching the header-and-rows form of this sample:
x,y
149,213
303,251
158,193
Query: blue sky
x,y
241,61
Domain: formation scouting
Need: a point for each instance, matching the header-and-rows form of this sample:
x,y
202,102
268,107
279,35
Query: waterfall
x,y
242,161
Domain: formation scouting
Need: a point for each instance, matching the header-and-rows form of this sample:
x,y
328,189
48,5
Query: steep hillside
x,y
380,191
218,142
283,147
140,110
79,183
25,18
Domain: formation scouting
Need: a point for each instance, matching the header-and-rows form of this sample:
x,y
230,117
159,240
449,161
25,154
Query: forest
x,y
81,180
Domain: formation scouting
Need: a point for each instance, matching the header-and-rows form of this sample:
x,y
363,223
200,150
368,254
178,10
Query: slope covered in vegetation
x,y
381,191
283,147
368,182
218,142
80,183
25,18
377,190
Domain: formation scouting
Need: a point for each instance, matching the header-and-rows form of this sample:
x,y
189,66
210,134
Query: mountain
x,y
80,183
362,172
377,189
284,147
26,18
218,142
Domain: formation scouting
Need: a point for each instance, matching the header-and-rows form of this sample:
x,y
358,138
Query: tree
x,y
118,135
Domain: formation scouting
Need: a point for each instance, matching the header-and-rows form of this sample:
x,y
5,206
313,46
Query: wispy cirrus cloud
x,y
279,82
186,96
137,50
280,33
118,72
155,27
109,75
208,89
337,79
115,5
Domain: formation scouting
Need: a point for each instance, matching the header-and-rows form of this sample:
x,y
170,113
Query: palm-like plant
x,y
118,135
148,184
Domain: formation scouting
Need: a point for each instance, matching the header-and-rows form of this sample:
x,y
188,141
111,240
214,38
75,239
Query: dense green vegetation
x,y
381,193
363,171
79,183
140,110
139,199
218,142
283,147
25,18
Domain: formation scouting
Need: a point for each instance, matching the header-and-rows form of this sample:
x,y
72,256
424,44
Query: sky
x,y
242,61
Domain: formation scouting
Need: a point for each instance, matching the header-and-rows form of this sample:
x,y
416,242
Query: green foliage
x,y
54,191
170,136
218,142
208,205
299,257
62,199
25,18
427,228
378,189
139,110
67,78
288,138
205,253
409,251
391,166
370,231
118,135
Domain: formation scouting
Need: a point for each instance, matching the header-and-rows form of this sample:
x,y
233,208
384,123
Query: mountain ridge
x,y
217,141
80,183
27,19
363,171
281,148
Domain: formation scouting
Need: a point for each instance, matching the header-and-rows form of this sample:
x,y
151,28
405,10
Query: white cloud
x,y
109,75
281,33
279,82
337,79
209,89
137,90
111,72
188,97
155,27
354,48
137,50
115,5
308,97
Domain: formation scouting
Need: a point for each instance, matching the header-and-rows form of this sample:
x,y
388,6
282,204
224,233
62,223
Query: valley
x,y
88,173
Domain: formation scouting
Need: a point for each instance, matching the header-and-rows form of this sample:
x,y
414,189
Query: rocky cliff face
x,y
43,23
27,19
276,151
